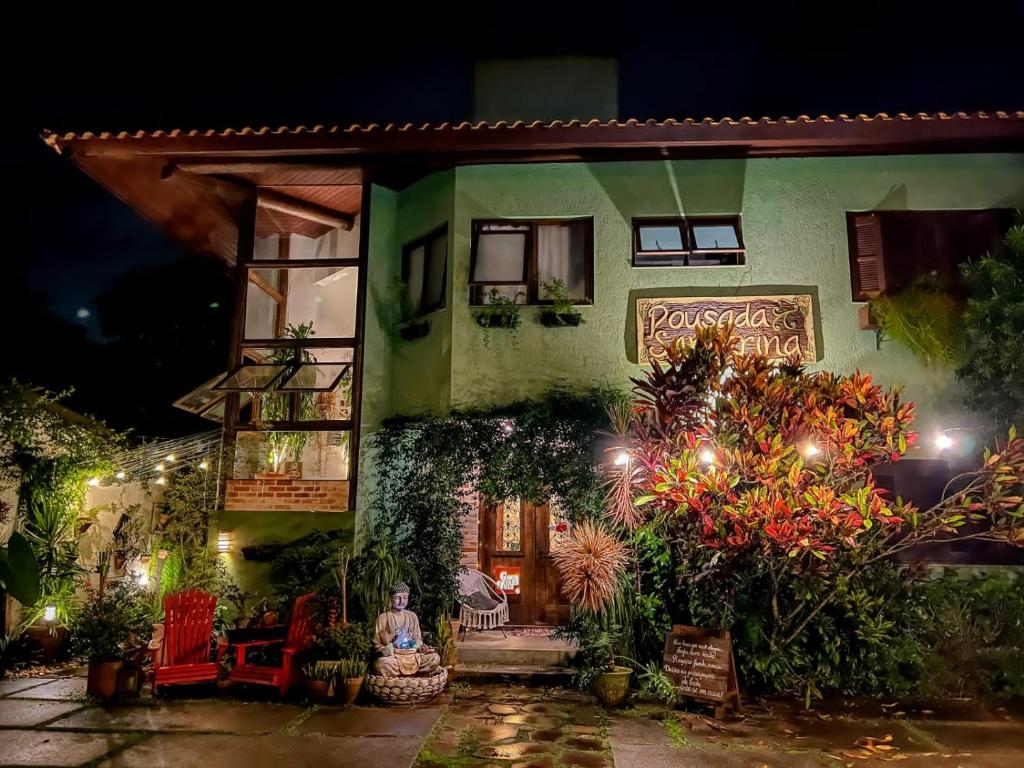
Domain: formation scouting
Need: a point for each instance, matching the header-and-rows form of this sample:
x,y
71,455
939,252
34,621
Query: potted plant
x,y
318,676
285,448
444,637
563,311
351,672
112,625
597,642
499,311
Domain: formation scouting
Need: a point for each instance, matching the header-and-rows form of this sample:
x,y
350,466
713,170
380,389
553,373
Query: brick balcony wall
x,y
471,531
286,494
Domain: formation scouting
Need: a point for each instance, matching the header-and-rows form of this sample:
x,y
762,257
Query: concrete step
x,y
490,648
524,674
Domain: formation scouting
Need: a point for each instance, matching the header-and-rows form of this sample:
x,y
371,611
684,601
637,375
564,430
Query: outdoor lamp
x,y
810,450
94,481
119,476
707,456
224,542
622,459
50,613
203,465
943,441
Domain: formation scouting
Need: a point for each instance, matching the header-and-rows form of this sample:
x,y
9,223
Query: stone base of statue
x,y
414,689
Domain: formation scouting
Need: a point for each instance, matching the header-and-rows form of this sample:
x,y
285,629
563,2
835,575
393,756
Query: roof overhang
x,y
134,166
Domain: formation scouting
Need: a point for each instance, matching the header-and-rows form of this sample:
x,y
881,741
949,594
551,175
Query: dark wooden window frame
x,y
530,282
426,240
873,266
243,347
681,258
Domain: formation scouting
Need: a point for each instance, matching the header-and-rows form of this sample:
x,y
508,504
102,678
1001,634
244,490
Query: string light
x,y
159,467
120,476
170,458
143,579
161,480
150,460
94,481
204,465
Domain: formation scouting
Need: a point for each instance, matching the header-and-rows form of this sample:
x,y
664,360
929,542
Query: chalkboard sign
x,y
700,663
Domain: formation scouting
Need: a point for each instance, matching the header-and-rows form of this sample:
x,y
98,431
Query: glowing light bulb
x,y
94,481
943,441
159,467
810,450
224,541
143,579
120,476
622,459
707,456
204,466
170,457
161,480
50,613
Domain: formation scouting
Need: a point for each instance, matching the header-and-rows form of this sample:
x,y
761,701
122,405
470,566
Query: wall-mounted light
x,y
50,613
143,579
224,540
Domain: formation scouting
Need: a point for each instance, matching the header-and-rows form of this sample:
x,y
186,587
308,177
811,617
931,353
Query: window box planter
x,y
490,320
551,319
416,329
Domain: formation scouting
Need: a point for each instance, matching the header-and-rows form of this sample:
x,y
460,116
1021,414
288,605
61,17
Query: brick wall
x,y
285,494
471,532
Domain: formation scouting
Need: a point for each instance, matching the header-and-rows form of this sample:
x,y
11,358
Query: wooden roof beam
x,y
269,199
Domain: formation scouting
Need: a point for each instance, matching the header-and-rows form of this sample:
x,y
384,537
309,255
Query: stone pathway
x,y
49,722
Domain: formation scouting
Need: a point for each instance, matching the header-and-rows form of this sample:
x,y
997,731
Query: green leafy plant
x,y
379,567
993,365
306,565
598,643
342,641
499,311
320,670
654,684
276,405
112,623
19,570
563,309
50,529
925,318
444,642
350,669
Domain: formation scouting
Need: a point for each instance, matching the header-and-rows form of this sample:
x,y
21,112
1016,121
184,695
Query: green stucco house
x,y
366,254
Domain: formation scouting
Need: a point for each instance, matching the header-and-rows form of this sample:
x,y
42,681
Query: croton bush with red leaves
x,y
758,477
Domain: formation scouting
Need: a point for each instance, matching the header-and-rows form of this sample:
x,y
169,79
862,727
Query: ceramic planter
x,y
352,686
612,687
555,320
102,678
317,689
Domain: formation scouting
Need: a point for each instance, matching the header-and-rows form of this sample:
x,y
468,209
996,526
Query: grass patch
x,y
675,731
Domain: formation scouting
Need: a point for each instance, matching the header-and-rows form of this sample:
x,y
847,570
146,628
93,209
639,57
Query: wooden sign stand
x,y
726,698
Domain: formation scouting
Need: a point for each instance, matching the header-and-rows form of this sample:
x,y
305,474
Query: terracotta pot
x,y
612,687
46,644
352,687
317,689
456,625
102,680
269,619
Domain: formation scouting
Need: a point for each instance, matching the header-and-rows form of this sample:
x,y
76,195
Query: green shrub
x,y
112,623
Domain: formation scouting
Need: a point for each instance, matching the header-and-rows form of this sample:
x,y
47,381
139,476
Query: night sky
x,y
69,241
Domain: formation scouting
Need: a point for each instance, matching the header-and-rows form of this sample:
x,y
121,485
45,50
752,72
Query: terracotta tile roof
x,y
55,140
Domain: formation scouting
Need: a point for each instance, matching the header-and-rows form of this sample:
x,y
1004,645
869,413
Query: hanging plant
x,y
925,318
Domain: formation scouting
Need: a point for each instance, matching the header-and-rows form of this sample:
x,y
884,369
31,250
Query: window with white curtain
x,y
424,266
519,258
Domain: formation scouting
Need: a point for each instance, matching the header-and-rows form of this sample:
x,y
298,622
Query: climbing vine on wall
x,y
533,449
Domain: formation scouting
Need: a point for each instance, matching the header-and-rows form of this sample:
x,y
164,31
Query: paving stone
x,y
209,716
512,751
493,734
63,689
544,708
546,734
55,749
544,761
225,751
580,759
583,730
14,686
372,722
842,734
586,743
642,756
22,713
501,709
972,737
537,721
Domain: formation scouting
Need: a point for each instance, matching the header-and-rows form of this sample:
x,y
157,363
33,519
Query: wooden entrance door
x,y
516,539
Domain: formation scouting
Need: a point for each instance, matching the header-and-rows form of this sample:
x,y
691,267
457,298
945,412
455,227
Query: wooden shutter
x,y
867,257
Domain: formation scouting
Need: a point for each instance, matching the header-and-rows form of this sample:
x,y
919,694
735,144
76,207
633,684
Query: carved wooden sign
x,y
699,661
776,326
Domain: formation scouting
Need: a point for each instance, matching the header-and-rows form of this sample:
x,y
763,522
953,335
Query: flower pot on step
x,y
612,687
102,678
351,689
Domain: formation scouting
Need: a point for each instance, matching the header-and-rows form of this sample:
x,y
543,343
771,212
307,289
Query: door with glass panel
x,y
516,542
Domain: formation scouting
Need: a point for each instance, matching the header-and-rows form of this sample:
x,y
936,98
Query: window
x,y
517,258
698,242
424,265
890,249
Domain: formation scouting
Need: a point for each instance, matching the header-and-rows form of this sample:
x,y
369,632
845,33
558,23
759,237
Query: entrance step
x,y
490,648
524,674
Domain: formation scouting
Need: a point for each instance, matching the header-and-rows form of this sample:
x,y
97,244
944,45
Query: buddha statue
x,y
398,640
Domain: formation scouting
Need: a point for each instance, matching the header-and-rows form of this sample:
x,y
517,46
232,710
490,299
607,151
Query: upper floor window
x,y
697,242
424,266
518,258
890,249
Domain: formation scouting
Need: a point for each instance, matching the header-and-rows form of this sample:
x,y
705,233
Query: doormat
x,y
529,631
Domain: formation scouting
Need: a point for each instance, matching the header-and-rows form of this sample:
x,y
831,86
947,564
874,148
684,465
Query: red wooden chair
x,y
182,655
300,634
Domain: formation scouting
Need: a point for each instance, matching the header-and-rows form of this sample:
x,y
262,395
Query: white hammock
x,y
471,581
